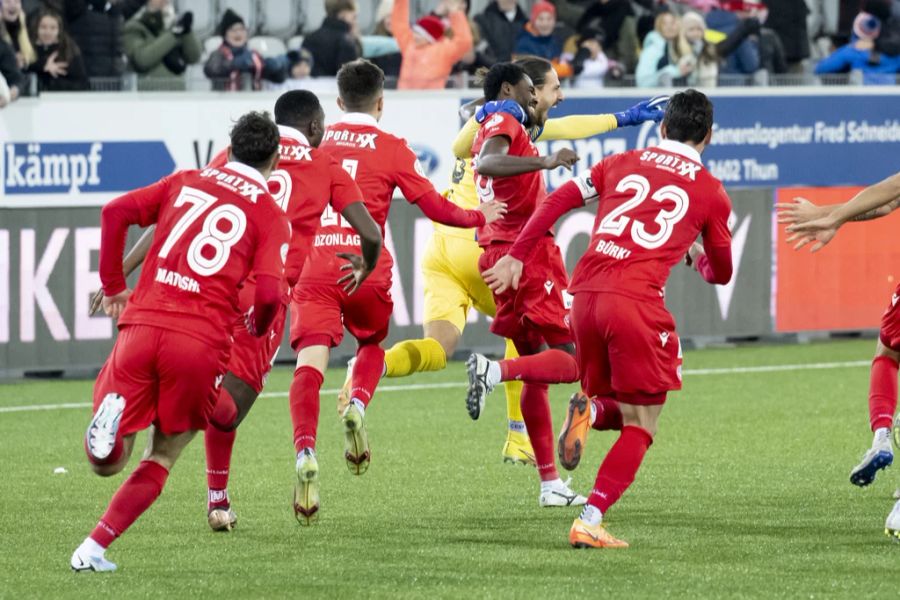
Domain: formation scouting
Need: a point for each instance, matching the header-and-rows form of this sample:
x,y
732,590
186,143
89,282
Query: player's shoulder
x,y
502,123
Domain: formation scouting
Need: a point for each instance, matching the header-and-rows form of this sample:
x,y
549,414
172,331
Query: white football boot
x,y
879,456
892,525
559,493
221,519
100,438
479,385
356,440
306,489
84,560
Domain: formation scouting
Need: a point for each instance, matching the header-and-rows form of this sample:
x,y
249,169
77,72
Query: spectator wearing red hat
x,y
429,55
540,38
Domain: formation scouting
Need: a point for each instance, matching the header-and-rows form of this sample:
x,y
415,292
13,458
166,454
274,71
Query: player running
x,y
818,225
534,317
379,162
651,206
306,181
453,284
215,227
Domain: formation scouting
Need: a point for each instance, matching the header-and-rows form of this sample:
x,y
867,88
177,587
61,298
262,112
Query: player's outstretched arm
x,y
576,127
440,210
495,161
132,261
883,196
360,267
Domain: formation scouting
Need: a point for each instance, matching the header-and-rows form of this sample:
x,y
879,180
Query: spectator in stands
x,y
428,54
745,58
14,31
158,43
481,54
665,55
97,30
787,18
590,64
861,55
12,76
234,65
541,38
299,75
59,66
704,56
888,11
336,42
500,24
617,20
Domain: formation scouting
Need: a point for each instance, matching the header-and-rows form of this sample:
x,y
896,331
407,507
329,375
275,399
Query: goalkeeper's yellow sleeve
x,y
462,145
576,127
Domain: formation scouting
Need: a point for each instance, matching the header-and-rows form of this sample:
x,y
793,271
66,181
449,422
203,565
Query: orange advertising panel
x,y
847,284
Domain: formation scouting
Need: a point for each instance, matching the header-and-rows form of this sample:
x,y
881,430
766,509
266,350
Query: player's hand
x,y
694,252
817,232
493,211
96,302
800,211
358,268
646,110
114,305
505,274
561,158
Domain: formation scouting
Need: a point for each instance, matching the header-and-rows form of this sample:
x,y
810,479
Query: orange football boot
x,y
574,432
582,535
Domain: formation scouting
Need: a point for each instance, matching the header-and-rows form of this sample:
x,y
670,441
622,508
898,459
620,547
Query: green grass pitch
x,y
745,493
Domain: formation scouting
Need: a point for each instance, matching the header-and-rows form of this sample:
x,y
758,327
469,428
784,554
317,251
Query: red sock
x,y
219,446
367,372
135,496
304,400
609,415
549,366
535,405
620,466
882,392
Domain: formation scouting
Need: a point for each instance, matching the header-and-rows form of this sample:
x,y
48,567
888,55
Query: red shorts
x,y
537,311
319,313
625,345
252,357
168,379
890,323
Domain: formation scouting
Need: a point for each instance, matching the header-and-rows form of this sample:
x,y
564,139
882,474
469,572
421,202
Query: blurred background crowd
x,y
224,45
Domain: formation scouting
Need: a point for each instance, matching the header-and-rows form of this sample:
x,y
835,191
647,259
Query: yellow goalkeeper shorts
x,y
453,284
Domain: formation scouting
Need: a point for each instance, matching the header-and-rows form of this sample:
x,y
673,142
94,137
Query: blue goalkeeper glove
x,y
646,110
510,107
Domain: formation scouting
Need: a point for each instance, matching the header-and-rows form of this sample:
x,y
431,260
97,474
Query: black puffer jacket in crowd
x,y
501,33
98,32
331,45
787,18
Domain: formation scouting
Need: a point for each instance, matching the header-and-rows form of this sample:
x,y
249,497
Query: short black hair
x,y
296,108
689,117
359,84
500,73
254,139
536,68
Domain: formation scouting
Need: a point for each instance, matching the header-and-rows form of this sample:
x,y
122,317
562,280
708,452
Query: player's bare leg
x,y
618,470
236,398
114,468
882,406
304,403
132,499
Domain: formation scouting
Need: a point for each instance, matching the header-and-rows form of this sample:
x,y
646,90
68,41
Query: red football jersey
x,y
212,228
306,181
379,162
653,204
521,193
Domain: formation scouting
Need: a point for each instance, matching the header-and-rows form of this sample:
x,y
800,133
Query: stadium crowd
x,y
107,45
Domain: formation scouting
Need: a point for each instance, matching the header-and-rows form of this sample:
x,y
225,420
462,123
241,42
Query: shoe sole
x,y
306,497
570,452
866,475
894,534
476,392
111,429
356,444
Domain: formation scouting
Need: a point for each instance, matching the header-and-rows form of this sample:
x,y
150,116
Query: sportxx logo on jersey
x,y
294,152
360,140
82,167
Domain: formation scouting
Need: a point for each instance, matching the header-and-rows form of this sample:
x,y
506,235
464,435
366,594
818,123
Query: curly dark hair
x,y
254,139
689,117
499,74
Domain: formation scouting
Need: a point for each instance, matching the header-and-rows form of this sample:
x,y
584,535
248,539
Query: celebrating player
x,y
306,181
818,225
534,317
453,284
215,226
379,162
651,206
